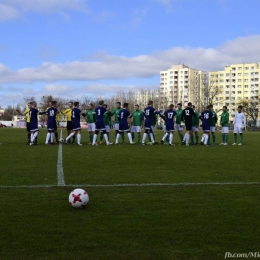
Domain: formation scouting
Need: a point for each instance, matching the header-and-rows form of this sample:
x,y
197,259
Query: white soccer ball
x,y
61,140
78,198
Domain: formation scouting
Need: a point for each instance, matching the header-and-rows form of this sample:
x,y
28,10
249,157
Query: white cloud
x,y
11,9
105,67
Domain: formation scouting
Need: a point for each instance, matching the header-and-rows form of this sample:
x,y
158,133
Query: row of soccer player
x,y
99,121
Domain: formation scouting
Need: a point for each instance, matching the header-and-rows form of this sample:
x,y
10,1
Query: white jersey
x,y
239,119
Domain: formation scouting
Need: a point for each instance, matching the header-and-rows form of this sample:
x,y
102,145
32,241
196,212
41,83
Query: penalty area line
x,y
133,185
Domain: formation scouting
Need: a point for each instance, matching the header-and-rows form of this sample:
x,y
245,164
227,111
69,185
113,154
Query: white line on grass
x,y
60,173
135,185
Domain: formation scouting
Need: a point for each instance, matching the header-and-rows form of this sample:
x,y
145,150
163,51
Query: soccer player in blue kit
x,y
123,124
148,115
51,123
33,122
100,125
169,124
206,116
76,112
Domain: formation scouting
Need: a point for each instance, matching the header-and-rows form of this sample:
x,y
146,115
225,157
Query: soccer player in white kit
x,y
239,124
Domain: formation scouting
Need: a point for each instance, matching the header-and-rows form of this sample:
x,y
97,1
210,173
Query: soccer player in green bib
x,y
115,113
224,121
137,122
90,117
213,122
195,126
179,127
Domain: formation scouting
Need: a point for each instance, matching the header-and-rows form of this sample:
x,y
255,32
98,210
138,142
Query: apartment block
x,y
181,84
235,83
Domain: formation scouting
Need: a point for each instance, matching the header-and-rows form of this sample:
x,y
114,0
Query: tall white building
x,y
181,84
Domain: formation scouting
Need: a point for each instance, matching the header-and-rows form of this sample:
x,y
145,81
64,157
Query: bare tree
x,y
250,108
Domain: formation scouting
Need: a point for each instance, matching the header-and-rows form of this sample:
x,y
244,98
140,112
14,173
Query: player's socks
x,y
208,139
33,136
57,137
47,138
130,138
153,136
117,138
197,139
68,137
91,138
165,135
167,139
94,139
108,137
241,138
133,136
202,139
170,138
187,138
139,137
101,137
123,137
223,138
29,138
52,137
181,137
144,137
149,138
73,139
226,138
152,139
79,138
191,138
235,138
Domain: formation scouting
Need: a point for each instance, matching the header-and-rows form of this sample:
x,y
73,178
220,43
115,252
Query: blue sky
x,y
72,48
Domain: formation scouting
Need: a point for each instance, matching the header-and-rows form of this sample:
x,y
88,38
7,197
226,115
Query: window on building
x,y
246,86
246,80
239,74
239,80
239,92
246,68
252,68
239,68
227,74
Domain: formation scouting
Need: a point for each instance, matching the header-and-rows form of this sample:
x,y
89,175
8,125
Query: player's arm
x,y
201,117
182,115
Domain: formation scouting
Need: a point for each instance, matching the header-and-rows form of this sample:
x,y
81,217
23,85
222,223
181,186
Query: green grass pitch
x,y
129,222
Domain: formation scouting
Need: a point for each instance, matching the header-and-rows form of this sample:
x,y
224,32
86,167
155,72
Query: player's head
x,y
70,104
33,104
125,105
101,102
118,104
90,106
208,107
50,103
193,107
171,106
239,109
54,103
189,104
136,107
105,106
150,103
179,105
76,104
29,104
224,108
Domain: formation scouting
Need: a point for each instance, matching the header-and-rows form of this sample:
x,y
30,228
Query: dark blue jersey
x,y
148,113
51,113
123,115
34,119
169,116
76,115
206,116
99,112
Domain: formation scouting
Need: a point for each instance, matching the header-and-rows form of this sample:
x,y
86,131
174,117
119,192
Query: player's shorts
x,y
188,126
225,130
124,127
100,126
195,129
148,126
116,126
212,129
238,129
179,127
76,126
169,127
69,125
107,128
206,129
34,128
91,127
136,129
28,126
